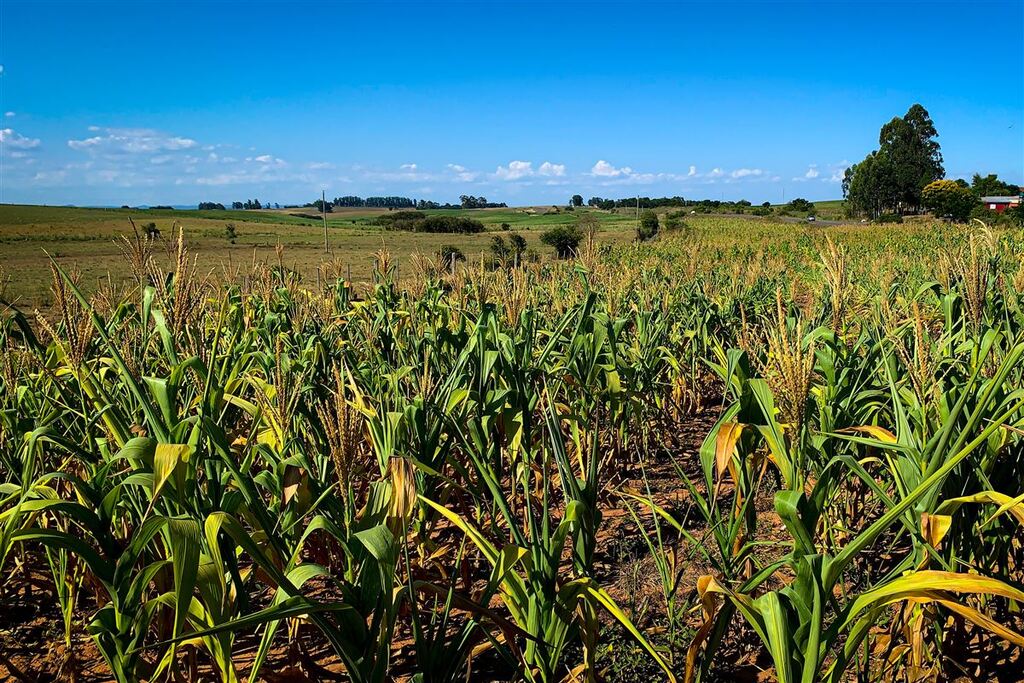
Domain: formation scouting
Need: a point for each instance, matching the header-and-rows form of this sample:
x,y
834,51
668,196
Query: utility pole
x,y
323,208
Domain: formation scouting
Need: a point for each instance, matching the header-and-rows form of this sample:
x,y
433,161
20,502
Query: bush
x,y
448,255
674,221
1015,214
648,226
456,224
508,253
417,221
948,199
401,220
983,213
889,218
762,211
564,238
801,205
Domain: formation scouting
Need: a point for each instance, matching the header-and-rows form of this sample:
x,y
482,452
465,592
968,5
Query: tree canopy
x,y
992,186
891,178
948,199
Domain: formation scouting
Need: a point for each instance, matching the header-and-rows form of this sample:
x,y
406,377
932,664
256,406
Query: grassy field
x,y
90,239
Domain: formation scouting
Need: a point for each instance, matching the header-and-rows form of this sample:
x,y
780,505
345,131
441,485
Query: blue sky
x,y
130,103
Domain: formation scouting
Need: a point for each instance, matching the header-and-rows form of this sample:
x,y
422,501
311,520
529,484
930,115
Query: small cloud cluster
x,y
130,141
517,170
602,169
835,173
11,138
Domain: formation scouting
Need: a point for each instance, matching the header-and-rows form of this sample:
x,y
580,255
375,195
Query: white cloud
x,y
408,167
812,172
838,172
131,141
550,169
462,173
11,138
692,172
515,170
746,173
605,170
318,165
9,114
716,173
49,177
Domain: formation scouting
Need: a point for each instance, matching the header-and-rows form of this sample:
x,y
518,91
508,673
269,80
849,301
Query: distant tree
x,y
992,186
237,205
210,206
499,249
648,226
323,207
449,255
948,199
800,204
766,205
577,200
564,238
517,244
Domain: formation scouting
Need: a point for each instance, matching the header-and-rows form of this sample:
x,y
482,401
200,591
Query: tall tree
x,y
892,177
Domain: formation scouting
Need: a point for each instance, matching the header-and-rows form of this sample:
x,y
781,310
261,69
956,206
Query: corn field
x,y
227,476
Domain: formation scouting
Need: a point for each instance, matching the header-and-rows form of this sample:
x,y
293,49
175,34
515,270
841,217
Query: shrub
x,y
1015,214
417,221
449,254
455,224
948,199
889,218
401,220
648,226
564,238
801,205
674,221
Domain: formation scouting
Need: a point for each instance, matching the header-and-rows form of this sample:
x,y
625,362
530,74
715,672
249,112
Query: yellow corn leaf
x,y
709,607
1015,506
165,460
880,433
935,527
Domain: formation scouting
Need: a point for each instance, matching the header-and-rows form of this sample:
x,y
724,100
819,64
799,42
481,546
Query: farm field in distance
x,y
89,239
